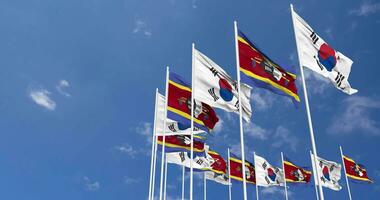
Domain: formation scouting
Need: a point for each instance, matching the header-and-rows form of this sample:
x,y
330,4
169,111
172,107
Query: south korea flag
x,y
315,54
216,88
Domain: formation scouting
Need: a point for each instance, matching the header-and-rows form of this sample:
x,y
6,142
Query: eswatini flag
x,y
355,171
259,70
236,171
295,174
175,143
179,105
218,171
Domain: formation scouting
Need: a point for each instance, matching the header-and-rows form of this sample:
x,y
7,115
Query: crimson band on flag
x,y
179,105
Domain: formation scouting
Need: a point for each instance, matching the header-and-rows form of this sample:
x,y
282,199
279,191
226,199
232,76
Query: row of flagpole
x,y
163,172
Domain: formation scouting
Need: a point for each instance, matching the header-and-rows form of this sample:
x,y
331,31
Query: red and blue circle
x,y
326,173
271,174
326,56
225,90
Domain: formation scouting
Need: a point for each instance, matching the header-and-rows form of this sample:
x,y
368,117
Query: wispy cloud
x,y
62,84
274,191
194,4
142,28
91,185
355,115
329,33
256,131
130,180
366,8
127,149
316,83
41,97
145,129
283,137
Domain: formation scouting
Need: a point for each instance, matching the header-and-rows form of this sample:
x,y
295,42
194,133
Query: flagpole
x,y
283,167
204,186
153,142
154,165
257,187
308,111
315,177
345,173
166,177
229,175
240,112
183,182
163,133
192,121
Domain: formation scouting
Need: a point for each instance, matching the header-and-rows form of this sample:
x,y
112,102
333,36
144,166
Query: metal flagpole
x,y
204,186
183,182
192,121
345,173
154,165
283,168
229,175
307,110
166,177
163,133
315,177
151,185
257,187
240,112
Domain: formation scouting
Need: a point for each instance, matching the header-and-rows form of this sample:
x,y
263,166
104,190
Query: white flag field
x,y
315,54
183,159
216,88
266,174
329,173
172,127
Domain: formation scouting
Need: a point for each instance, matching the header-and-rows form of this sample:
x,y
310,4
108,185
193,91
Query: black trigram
x,y
172,128
237,105
182,156
264,165
211,91
199,162
214,71
339,79
314,37
267,180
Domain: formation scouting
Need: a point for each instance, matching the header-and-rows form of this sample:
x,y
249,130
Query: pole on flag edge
x,y
163,133
192,121
345,173
240,113
283,168
152,160
307,110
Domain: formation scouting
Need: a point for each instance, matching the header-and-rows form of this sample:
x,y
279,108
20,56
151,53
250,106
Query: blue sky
x,y
78,78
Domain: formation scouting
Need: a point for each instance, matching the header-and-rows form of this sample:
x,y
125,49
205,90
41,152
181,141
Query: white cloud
x,y
274,191
62,84
283,136
329,33
366,8
255,131
194,4
355,115
91,185
130,180
145,129
127,149
219,126
262,100
41,97
141,27
315,83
